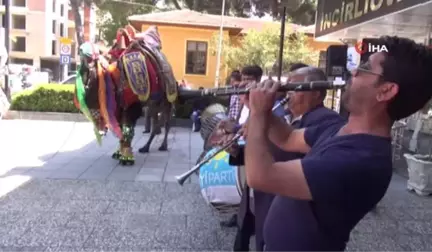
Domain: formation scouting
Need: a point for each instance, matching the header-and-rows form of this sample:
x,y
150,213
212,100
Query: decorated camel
x,y
111,91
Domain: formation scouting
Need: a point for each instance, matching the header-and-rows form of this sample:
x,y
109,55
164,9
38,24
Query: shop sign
x,y
334,15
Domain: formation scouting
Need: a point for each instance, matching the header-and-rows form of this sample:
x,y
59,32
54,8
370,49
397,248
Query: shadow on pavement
x,y
61,191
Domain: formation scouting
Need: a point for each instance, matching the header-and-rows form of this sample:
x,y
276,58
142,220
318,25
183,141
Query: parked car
x,y
50,74
69,80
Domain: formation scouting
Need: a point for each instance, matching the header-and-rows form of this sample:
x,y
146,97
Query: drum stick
x,y
181,179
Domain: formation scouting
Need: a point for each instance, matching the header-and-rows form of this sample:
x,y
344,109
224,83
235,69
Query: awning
x,y
357,19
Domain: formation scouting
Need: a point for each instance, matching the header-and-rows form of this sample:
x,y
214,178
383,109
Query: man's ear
x,y
387,91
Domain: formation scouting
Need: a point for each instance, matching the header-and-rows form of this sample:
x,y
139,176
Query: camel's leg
x,y
156,123
166,118
127,157
153,113
129,119
117,154
147,118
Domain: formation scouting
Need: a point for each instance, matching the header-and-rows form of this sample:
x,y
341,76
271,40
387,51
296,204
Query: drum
x,y
221,184
210,117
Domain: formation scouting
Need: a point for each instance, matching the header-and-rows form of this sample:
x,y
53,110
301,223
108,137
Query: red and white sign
x,y
65,49
362,48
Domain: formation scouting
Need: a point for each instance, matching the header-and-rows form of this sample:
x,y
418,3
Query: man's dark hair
x,y
407,64
254,71
236,75
313,74
296,66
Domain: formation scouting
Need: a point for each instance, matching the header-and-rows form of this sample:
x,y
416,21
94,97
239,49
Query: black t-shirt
x,y
347,176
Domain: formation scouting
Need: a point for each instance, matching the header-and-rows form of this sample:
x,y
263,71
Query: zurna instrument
x,y
181,179
290,86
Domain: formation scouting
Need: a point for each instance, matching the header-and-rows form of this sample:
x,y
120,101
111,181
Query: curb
x,y
74,117
49,116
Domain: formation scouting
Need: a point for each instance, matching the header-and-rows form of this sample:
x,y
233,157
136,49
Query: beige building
x,y
36,29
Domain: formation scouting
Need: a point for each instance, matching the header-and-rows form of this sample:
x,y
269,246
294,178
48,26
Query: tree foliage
x,y
262,48
299,11
113,15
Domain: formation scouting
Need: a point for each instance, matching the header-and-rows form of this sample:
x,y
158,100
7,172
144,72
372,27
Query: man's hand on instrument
x,y
262,97
233,149
243,130
223,128
227,126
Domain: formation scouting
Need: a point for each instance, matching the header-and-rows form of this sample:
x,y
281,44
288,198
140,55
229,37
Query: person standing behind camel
x,y
235,105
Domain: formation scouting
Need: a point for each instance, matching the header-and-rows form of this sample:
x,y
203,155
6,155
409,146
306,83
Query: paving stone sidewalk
x,y
59,191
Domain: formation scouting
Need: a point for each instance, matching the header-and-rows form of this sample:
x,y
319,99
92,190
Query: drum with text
x,y
221,184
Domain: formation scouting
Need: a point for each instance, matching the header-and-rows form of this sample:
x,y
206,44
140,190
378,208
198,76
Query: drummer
x,y
306,109
248,74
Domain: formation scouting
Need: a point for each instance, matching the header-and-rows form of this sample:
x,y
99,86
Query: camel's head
x,y
89,54
124,38
151,36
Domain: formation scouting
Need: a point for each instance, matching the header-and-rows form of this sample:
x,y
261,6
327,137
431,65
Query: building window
x,y
196,57
54,27
3,20
19,22
62,11
54,6
19,44
19,61
62,30
322,59
53,47
19,3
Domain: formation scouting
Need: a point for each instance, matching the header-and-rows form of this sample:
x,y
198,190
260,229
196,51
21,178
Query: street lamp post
x,y
7,45
281,43
219,52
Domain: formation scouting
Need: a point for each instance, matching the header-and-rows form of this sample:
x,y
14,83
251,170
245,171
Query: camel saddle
x,y
149,45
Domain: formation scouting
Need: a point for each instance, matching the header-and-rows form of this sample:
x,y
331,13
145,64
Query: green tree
x,y
299,11
262,48
113,15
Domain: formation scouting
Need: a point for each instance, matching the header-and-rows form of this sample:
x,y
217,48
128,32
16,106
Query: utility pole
x,y
7,44
219,52
281,43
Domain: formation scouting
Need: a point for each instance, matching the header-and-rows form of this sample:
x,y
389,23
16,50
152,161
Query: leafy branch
x,y
262,48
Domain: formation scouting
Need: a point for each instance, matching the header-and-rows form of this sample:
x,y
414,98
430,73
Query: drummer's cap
x,y
296,66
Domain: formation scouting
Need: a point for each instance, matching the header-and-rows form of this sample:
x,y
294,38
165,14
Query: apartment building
x,y
36,29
